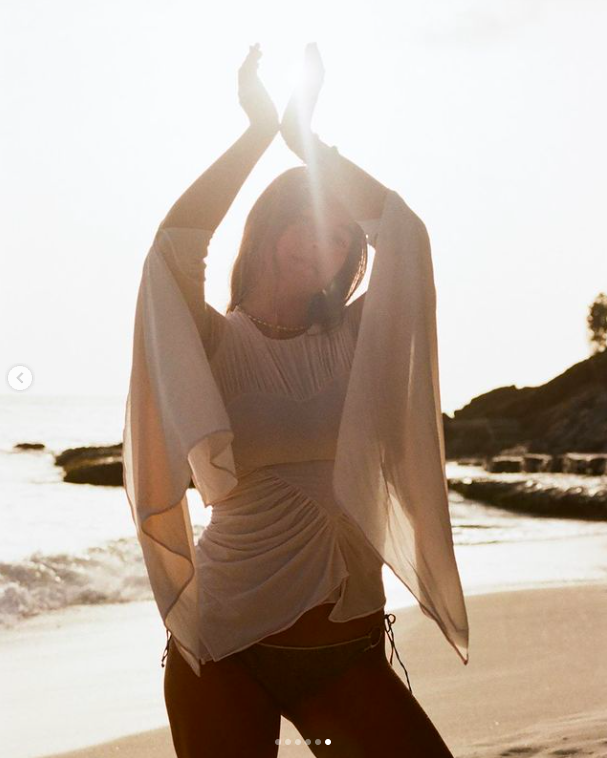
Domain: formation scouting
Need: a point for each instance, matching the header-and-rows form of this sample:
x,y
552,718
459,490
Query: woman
x,y
288,413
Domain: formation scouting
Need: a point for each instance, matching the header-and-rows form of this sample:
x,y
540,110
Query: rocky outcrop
x,y
588,464
538,495
92,465
568,413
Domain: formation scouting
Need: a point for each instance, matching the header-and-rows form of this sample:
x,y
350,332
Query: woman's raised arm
x,y
361,194
204,204
184,234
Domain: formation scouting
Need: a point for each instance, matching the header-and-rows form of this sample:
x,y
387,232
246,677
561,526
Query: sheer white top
x,y
322,456
278,543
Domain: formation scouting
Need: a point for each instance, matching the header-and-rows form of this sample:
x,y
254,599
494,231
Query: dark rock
x,y
505,464
73,454
558,463
491,404
94,465
28,446
106,471
480,437
537,462
533,496
472,461
568,413
591,465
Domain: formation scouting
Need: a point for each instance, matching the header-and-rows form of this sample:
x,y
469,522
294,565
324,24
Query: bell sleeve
x,y
389,474
176,429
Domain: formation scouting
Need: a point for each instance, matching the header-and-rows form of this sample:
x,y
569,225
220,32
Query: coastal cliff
x,y
567,414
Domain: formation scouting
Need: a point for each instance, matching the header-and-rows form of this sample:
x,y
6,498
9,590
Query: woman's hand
x,y
295,126
253,96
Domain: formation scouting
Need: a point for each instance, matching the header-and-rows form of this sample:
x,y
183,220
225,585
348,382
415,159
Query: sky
x,y
488,118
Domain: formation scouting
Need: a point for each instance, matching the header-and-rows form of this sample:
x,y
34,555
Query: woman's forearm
x,y
205,203
361,194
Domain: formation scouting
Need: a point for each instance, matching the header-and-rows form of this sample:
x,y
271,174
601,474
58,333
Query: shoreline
x,y
116,698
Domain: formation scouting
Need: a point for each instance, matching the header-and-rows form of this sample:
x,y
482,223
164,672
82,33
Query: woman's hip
x,y
290,672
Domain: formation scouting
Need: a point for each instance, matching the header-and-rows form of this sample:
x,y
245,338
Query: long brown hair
x,y
277,207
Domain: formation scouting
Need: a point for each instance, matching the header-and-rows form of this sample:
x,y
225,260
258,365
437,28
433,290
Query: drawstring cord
x,y
166,649
389,619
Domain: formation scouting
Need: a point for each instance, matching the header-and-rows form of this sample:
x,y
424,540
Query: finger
x,y
253,55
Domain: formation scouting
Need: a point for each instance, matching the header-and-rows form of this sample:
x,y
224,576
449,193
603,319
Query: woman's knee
x,y
223,712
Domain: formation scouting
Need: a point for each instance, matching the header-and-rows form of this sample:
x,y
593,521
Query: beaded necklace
x,y
272,326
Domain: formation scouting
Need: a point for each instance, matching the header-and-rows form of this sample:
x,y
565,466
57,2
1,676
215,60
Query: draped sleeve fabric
x,y
176,428
389,473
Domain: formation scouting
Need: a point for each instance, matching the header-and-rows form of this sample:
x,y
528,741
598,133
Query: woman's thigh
x,y
367,711
224,712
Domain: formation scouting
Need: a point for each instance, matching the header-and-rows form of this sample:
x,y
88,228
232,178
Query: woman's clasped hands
x,y
295,125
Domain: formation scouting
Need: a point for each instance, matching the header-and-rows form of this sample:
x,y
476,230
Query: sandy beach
x,y
88,680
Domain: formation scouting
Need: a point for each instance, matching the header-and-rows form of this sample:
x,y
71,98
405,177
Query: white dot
x,y
287,741
327,742
277,741
317,742
298,741
308,742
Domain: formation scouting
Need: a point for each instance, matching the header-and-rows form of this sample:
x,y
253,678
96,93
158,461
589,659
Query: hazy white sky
x,y
488,117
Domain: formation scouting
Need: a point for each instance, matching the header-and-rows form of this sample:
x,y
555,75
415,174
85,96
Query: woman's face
x,y
311,250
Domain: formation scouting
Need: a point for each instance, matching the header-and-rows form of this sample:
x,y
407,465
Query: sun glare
x,y
296,75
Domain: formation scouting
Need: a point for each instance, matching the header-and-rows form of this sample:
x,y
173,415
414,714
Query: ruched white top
x,y
322,456
278,543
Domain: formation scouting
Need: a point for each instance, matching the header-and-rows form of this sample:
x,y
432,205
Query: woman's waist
x,y
279,510
264,485
315,628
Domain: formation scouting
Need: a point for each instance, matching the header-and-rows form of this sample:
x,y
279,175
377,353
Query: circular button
x,y
19,378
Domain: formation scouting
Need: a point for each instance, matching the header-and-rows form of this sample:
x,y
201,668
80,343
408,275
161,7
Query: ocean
x,y
66,544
